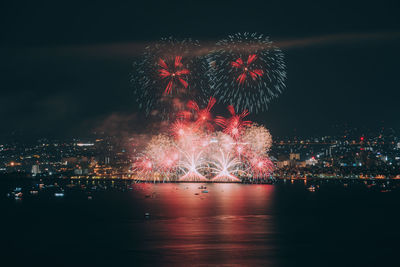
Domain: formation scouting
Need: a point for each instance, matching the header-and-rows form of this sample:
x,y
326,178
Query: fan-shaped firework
x,y
247,71
191,163
166,76
225,166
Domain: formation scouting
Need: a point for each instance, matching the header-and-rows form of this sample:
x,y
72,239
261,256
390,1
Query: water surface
x,y
233,224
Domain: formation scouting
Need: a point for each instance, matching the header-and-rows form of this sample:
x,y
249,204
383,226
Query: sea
x,y
122,223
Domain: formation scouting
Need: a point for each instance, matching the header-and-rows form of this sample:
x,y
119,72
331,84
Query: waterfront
x,y
340,224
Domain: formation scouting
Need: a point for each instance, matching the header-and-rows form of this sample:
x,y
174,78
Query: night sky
x,y
65,68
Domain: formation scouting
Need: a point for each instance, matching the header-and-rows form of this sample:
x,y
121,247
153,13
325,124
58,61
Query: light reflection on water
x,y
230,224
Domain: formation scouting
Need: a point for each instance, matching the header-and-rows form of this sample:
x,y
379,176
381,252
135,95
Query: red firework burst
x,y
175,74
246,69
261,166
235,124
181,128
203,117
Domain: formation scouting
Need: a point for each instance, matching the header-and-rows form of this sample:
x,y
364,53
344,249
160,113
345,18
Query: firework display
x,y
247,71
194,151
166,75
181,84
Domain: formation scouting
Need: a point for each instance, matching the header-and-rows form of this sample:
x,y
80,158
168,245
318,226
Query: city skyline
x,y
345,156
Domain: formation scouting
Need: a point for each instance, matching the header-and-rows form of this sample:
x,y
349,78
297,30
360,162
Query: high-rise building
x,y
294,156
35,170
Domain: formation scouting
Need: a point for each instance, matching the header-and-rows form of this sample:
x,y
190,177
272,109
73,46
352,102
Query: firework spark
x,y
193,153
175,75
225,166
247,71
180,129
203,117
257,139
143,167
261,167
235,124
165,73
190,164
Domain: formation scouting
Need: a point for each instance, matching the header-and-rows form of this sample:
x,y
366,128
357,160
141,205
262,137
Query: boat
x,y
311,188
147,215
385,190
59,194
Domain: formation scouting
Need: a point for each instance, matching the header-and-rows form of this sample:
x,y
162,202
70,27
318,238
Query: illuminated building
x,y
35,170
